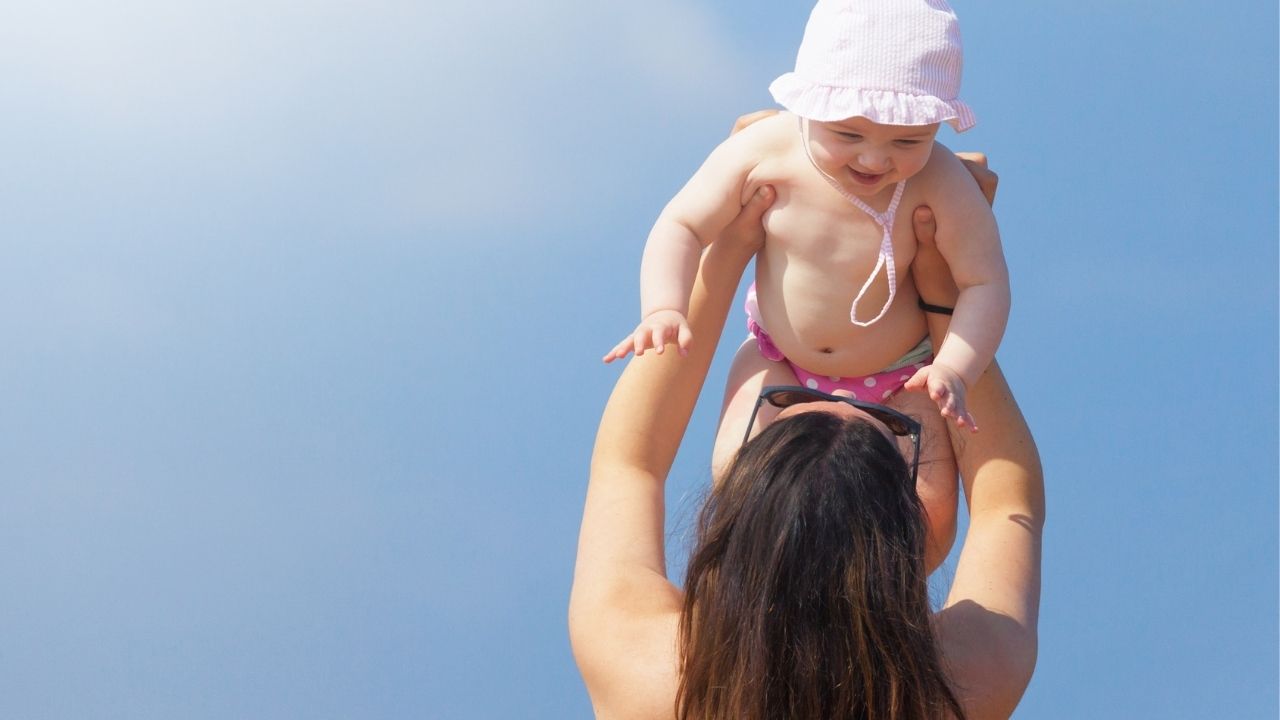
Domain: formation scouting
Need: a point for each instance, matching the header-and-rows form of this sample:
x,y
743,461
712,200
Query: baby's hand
x,y
654,331
947,389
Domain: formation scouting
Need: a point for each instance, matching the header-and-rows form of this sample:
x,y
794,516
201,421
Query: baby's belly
x,y
815,333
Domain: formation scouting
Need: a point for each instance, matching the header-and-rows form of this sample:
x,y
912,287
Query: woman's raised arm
x,y
987,630
620,572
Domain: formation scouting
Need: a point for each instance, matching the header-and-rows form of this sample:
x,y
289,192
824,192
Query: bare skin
x,y
751,372
821,247
935,483
623,611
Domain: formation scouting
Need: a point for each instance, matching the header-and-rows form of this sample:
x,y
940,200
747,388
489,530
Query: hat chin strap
x,y
884,220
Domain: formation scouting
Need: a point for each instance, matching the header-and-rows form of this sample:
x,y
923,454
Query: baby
x,y
833,306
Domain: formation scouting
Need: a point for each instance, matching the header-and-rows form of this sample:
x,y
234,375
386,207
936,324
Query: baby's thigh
x,y
749,374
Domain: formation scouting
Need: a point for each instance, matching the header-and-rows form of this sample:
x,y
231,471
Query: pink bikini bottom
x,y
876,387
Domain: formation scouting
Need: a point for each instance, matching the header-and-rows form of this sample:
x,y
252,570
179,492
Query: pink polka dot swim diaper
x,y
876,387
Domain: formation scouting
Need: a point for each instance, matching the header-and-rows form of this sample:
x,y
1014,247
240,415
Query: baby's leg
x,y
749,373
937,481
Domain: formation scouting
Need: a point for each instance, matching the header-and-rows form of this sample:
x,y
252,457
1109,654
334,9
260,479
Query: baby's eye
x,y
849,136
907,143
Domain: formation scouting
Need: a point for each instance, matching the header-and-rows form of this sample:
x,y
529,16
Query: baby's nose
x,y
874,162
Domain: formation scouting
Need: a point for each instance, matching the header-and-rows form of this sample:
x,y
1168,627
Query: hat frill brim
x,y
827,103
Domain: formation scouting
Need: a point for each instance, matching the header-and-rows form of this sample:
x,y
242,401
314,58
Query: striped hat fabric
x,y
894,62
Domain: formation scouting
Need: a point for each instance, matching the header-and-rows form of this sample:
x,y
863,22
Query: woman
x,y
806,587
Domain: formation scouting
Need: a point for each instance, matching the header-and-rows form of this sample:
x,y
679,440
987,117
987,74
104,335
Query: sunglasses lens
x,y
787,398
894,423
795,396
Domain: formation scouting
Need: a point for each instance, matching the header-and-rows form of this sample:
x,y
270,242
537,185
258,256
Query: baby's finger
x,y
938,393
619,351
917,381
946,402
659,335
684,338
637,342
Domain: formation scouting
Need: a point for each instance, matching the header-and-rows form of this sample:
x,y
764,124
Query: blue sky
x,y
303,306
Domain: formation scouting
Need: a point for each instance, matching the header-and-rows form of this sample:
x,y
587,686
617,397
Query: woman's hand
x,y
745,234
929,270
976,164
922,219
750,119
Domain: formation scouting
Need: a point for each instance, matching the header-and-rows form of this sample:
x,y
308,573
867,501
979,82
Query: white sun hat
x,y
894,62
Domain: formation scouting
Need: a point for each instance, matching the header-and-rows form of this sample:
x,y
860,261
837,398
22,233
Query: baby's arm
x,y
692,220
969,240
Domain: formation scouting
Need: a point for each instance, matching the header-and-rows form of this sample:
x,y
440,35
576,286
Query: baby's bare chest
x,y
812,224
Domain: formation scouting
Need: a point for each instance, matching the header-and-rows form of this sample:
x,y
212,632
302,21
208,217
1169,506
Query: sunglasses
x,y
784,396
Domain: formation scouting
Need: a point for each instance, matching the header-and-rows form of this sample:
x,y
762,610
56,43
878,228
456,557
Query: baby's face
x,y
876,155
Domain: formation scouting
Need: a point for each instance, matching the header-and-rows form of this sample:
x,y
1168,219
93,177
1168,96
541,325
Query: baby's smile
x,y
866,178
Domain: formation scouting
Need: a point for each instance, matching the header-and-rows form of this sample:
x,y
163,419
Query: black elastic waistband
x,y
935,309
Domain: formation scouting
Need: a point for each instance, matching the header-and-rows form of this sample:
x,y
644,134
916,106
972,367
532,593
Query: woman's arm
x,y
987,630
620,575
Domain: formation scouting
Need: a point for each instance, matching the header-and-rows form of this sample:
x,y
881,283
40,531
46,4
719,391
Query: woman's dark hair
x,y
806,595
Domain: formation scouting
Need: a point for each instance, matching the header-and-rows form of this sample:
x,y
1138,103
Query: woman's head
x,y
806,594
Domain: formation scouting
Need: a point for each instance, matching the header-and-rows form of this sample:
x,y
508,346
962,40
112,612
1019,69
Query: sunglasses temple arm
x,y
751,423
915,462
